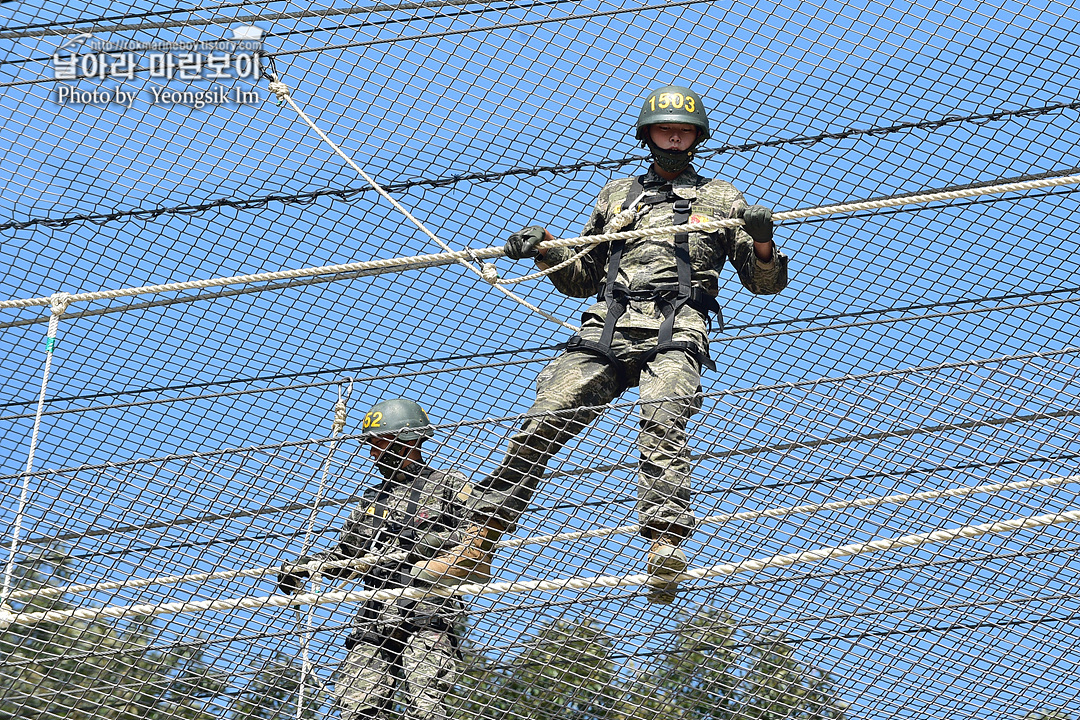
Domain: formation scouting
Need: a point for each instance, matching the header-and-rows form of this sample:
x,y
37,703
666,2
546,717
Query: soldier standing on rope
x,y
414,512
649,329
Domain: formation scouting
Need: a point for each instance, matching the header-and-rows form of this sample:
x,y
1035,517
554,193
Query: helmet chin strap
x,y
394,458
670,160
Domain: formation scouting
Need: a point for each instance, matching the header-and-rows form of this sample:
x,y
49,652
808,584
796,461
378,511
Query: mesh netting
x,y
918,374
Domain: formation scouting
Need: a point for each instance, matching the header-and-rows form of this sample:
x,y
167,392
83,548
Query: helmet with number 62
x,y
399,417
673,104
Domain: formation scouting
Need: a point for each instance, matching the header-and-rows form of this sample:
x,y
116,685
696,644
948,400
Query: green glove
x,y
432,543
522,244
759,224
292,579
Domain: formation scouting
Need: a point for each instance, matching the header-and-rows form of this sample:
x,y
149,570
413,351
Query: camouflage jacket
x,y
417,510
650,262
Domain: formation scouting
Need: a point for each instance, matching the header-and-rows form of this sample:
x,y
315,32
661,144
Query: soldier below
x,y
649,328
413,512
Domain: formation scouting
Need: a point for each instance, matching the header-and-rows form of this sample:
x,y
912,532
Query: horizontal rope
x,y
272,287
260,602
937,563
811,509
131,16
406,263
659,7
353,370
510,363
721,519
891,321
283,388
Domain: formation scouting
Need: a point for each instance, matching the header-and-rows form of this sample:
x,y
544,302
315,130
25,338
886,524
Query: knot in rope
x,y
7,616
339,418
489,272
625,217
58,302
280,89
340,413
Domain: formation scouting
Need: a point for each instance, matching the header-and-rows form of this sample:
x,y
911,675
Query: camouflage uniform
x,y
408,641
577,380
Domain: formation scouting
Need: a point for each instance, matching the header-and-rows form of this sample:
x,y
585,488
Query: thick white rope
x,y
59,305
401,264
620,221
315,567
812,508
256,602
484,272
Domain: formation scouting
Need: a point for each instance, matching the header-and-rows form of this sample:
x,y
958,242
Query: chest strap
x,y
391,535
669,299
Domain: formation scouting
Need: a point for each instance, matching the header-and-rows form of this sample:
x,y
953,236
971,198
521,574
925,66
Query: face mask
x,y
670,160
392,459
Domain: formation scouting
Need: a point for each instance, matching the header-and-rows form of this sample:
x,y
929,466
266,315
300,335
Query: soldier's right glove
x,y
291,578
759,223
522,244
432,543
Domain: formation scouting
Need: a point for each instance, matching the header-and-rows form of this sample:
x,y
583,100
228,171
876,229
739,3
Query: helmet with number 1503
x,y
672,104
403,419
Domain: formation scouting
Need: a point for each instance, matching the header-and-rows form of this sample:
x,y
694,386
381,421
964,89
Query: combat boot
x,y
469,562
664,561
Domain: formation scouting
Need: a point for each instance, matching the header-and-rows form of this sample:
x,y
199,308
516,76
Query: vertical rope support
x,y
307,618
58,304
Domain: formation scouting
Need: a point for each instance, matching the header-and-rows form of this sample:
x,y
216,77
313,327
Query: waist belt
x,y
698,299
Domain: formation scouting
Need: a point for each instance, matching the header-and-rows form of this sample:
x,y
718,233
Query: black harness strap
x,y
408,535
415,495
669,307
378,513
670,299
613,294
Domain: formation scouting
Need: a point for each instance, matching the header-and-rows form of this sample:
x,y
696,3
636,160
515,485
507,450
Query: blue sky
x,y
430,95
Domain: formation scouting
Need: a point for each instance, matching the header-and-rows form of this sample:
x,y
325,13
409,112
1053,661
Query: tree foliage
x,y
708,671
273,693
94,669
1047,714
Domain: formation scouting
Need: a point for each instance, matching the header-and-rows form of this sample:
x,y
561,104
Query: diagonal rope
x,y
305,621
283,94
59,304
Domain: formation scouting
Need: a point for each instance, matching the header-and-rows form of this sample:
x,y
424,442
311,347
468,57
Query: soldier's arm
x,y
448,528
759,276
355,539
352,543
584,276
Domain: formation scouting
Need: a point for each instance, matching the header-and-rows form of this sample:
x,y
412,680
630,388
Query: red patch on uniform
x,y
695,219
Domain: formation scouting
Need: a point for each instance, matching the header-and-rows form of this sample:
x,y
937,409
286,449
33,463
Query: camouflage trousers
x,y
424,663
567,393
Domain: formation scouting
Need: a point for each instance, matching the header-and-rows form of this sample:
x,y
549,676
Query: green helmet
x,y
398,417
673,104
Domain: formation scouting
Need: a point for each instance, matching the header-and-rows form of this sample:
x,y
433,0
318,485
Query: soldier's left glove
x,y
758,222
291,579
522,244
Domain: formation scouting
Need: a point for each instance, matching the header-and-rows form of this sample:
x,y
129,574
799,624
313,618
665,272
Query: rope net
x,y
884,460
